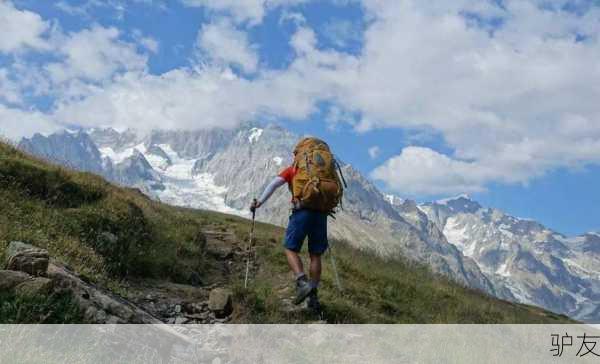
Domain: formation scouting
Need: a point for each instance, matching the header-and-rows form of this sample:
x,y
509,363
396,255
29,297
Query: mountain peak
x,y
460,203
448,200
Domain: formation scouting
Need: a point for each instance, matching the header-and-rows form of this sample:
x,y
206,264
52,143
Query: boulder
x,y
220,302
27,258
9,279
34,287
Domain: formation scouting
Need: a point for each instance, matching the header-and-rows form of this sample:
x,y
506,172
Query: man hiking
x,y
316,190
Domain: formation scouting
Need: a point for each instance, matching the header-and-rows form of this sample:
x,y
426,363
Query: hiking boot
x,y
303,289
313,301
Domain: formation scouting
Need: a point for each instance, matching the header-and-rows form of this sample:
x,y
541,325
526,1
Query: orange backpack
x,y
316,184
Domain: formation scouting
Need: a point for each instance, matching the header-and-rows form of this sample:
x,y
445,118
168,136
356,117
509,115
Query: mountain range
x,y
224,169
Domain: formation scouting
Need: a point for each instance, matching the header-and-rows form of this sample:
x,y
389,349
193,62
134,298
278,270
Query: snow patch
x,y
503,270
457,236
520,294
255,134
199,191
118,157
505,229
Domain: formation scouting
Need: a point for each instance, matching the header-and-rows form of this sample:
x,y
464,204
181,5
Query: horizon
x,y
427,100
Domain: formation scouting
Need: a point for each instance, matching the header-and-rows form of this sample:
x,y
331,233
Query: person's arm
x,y
274,185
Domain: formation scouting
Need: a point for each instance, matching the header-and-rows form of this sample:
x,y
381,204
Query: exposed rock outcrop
x,y
26,258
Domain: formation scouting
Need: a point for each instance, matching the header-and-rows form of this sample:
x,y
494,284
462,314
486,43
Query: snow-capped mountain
x,y
224,169
537,265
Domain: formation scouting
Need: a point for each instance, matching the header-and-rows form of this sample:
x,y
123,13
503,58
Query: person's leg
x,y
315,269
295,234
317,245
294,262
294,237
315,278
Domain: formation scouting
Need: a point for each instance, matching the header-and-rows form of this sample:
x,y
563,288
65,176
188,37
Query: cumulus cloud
x,y
94,54
222,43
21,29
418,171
519,101
210,95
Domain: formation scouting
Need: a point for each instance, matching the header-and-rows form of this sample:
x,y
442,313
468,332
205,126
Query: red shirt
x,y
288,174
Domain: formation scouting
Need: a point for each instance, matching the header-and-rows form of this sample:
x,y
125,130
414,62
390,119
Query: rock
x,y
35,287
27,258
99,305
177,308
9,279
90,314
100,317
220,302
114,320
203,316
180,320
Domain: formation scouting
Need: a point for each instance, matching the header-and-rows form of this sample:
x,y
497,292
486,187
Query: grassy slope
x,y
108,234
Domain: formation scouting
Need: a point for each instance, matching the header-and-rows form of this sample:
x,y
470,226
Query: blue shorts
x,y
305,223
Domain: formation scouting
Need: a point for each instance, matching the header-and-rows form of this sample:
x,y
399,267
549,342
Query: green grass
x,y
55,309
109,234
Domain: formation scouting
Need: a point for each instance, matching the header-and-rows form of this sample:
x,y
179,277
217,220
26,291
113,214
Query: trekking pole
x,y
335,271
249,249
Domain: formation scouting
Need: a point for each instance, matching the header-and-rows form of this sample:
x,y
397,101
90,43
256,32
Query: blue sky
x,y
429,99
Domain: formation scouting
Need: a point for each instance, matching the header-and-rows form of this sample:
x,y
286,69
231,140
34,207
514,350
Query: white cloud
x,y
190,99
16,124
209,96
519,103
148,43
222,43
374,152
20,29
94,54
422,171
10,91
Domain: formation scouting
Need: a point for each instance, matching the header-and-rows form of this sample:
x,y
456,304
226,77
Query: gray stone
x,y
180,320
114,320
100,317
220,302
90,313
35,287
27,258
9,279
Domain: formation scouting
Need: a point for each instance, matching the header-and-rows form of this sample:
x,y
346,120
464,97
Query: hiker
x,y
316,190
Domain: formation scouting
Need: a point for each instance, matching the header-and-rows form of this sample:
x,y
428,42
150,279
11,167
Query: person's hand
x,y
255,204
